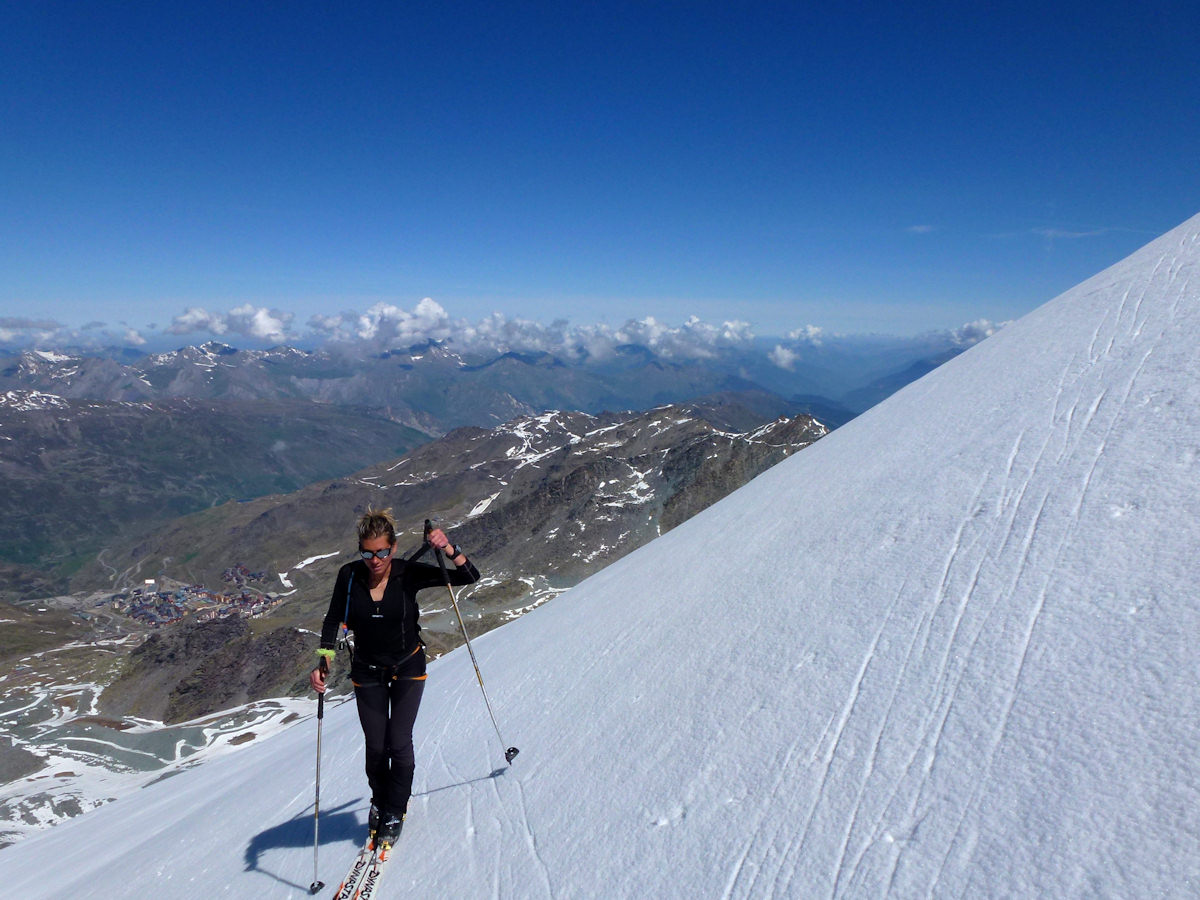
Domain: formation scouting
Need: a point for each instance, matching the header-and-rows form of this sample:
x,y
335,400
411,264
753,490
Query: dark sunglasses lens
x,y
381,554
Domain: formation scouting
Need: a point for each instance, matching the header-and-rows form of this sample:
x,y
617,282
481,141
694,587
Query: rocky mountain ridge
x,y
538,504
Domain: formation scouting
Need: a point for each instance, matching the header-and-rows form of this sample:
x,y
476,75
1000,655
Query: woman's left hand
x,y
438,539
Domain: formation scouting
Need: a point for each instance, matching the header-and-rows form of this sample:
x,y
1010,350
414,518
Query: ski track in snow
x,y
1077,428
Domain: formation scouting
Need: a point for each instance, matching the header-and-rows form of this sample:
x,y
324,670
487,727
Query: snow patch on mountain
x,y
312,559
481,507
30,401
52,356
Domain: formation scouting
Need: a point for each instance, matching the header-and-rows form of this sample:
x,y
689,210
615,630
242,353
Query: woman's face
x,y
375,564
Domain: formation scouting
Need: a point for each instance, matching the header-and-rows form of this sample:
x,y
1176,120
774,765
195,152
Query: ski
x,y
368,887
350,885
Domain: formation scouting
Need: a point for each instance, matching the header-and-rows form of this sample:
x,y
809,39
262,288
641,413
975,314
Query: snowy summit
x,y
948,650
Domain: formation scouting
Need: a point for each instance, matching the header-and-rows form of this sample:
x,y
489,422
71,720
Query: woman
x,y
376,598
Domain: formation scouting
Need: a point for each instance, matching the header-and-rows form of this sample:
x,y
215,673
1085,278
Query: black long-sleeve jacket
x,y
387,632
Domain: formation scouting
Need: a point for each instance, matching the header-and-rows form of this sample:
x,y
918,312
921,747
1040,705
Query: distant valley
x,y
79,474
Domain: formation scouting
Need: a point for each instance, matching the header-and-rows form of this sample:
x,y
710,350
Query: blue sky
x,y
862,167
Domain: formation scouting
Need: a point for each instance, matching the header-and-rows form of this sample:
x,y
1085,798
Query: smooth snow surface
x,y
951,650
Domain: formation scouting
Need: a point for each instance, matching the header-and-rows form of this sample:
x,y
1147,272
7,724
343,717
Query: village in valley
x,y
156,603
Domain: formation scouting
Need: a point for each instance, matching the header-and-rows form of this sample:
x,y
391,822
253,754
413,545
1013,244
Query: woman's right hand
x,y
317,679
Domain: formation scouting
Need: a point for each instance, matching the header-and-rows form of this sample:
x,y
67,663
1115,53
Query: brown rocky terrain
x,y
539,504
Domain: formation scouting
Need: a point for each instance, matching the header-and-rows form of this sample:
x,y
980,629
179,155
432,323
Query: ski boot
x,y
388,834
373,818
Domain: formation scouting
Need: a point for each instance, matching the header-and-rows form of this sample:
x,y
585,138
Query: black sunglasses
x,y
379,554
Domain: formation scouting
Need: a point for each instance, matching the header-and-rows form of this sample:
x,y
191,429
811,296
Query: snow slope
x,y
949,650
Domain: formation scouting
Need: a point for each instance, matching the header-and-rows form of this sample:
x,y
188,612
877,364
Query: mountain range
x,y
435,386
96,448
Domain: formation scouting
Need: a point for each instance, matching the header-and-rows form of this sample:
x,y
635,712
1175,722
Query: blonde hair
x,y
376,523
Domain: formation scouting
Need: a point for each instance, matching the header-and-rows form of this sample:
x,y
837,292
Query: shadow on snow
x,y
449,787
337,825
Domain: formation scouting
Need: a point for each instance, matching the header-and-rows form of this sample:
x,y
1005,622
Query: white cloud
x,y
46,333
390,326
809,334
29,332
1064,234
331,326
249,321
505,335
258,322
383,326
25,332
197,320
386,326
974,332
920,229
783,357
692,340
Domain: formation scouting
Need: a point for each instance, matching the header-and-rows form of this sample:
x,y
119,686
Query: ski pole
x,y
318,885
510,753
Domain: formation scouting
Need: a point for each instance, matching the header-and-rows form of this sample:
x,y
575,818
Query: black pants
x,y
387,711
